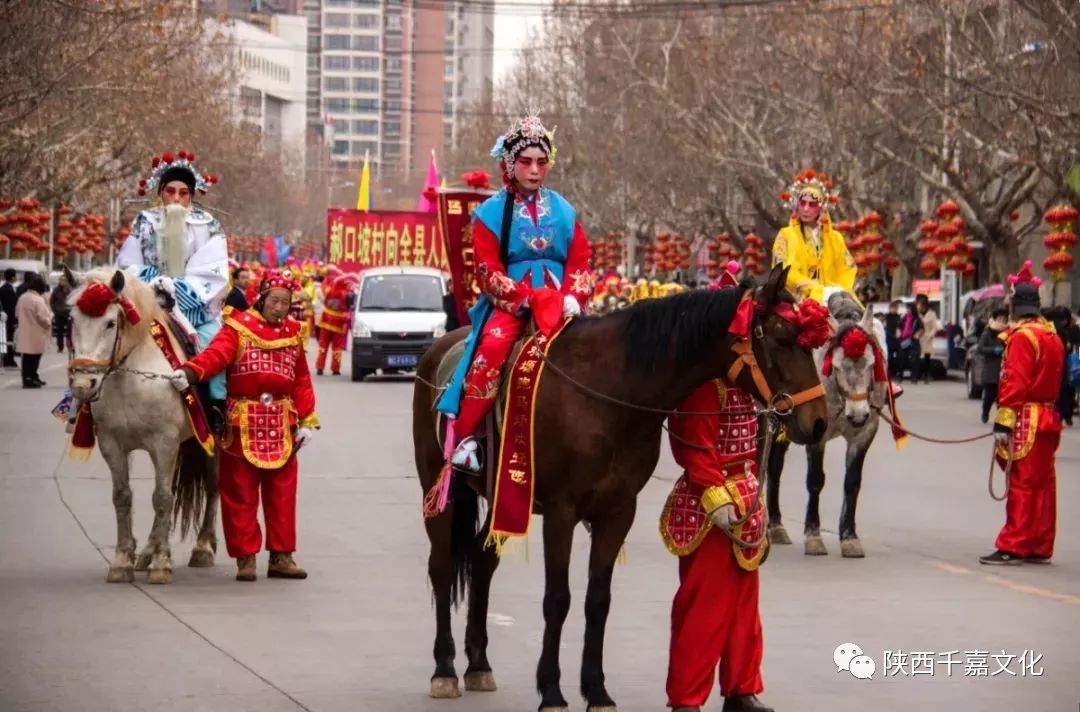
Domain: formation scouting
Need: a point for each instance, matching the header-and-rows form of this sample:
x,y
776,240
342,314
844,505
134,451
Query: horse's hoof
x,y
779,535
481,681
561,708
121,574
814,546
201,558
160,576
604,708
143,562
851,549
445,688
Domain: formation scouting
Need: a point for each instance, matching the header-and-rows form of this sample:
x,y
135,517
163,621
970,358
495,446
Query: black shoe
x,y
985,418
31,384
1001,558
318,373
1036,559
40,382
744,703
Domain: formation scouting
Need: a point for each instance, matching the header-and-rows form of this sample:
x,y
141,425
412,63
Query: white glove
x,y
164,284
724,516
303,437
179,380
570,306
1002,439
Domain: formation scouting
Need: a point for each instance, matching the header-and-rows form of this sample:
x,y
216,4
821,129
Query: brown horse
x,y
595,455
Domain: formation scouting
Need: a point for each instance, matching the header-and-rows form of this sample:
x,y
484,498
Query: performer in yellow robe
x,y
816,253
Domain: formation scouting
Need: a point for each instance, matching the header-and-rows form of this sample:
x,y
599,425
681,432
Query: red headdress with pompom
x,y
278,280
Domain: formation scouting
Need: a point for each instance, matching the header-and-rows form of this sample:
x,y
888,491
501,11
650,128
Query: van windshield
x,y
401,292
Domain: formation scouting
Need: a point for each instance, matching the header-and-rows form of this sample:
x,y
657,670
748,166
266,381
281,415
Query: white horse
x,y
133,410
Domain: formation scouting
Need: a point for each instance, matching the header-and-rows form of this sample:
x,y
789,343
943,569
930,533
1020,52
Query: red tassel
x,y
431,499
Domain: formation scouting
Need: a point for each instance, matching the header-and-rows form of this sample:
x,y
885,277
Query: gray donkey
x,y
853,400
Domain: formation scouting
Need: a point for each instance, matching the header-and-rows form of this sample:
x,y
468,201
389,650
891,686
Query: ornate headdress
x,y
169,167
526,131
278,280
810,182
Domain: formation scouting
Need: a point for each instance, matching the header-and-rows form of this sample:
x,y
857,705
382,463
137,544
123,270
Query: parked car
x,y
398,315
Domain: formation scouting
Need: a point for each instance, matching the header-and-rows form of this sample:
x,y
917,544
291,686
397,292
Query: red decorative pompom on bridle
x,y
97,297
854,344
812,321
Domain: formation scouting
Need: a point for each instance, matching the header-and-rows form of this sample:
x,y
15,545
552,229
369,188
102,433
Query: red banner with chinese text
x,y
357,240
455,224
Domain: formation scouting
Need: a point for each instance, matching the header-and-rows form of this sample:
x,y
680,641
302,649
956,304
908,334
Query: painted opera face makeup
x,y
176,192
808,208
531,169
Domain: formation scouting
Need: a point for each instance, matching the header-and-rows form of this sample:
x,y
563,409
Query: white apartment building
x,y
272,90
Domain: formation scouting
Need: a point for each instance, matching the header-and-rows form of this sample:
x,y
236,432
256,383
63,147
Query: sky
x,y
511,29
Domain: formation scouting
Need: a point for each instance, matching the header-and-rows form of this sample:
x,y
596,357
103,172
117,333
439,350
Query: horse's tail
x,y
190,484
465,540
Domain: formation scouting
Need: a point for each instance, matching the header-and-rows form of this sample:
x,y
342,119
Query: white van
x,y
398,315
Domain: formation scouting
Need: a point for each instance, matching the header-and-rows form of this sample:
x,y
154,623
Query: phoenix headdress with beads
x,y
810,182
526,131
179,166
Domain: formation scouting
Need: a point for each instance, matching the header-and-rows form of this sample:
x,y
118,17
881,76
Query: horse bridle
x,y
781,404
101,365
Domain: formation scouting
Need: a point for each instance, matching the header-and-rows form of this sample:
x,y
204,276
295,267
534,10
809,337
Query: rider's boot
x,y
216,414
466,457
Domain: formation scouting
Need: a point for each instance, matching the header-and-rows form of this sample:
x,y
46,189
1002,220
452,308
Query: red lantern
x,y
1058,264
947,209
928,267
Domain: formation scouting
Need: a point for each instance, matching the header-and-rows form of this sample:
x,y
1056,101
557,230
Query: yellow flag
x,y
363,197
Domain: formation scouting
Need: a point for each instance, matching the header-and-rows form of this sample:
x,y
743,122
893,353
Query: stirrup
x,y
466,456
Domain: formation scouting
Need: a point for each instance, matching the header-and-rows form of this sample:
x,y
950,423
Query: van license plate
x,y
402,360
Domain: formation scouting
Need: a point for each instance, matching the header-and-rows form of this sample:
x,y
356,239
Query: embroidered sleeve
x,y
799,282
1017,372
506,294
578,282
219,353
304,393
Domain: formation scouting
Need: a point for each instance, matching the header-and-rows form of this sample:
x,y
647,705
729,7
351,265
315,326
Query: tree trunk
x,y
1004,253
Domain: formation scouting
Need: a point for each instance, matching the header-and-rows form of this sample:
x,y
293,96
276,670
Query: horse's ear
x,y
868,319
70,278
117,282
775,286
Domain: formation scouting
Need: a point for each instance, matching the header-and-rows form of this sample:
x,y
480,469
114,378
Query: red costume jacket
x,y
508,295
719,456
335,313
269,385
1030,378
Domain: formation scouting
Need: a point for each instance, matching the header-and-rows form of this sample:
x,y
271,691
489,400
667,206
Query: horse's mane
x,y
141,295
678,327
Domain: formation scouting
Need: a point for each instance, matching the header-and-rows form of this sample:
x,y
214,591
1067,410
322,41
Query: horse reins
x,y
101,365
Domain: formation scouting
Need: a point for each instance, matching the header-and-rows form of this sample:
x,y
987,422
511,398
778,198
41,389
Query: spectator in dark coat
x,y
894,322
450,307
1069,332
237,298
61,313
991,349
8,300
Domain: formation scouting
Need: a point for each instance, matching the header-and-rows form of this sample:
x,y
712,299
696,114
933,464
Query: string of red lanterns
x,y
945,242
1061,219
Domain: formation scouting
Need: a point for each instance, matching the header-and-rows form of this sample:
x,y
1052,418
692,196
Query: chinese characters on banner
x,y
358,240
455,223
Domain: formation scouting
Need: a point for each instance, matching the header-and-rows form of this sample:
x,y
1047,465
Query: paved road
x,y
357,635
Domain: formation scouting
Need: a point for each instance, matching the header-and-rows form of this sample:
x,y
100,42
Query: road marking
x,y
1008,583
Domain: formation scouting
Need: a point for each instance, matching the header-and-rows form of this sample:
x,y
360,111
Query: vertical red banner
x,y
455,225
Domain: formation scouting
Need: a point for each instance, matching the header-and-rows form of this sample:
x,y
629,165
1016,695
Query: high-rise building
x,y
392,79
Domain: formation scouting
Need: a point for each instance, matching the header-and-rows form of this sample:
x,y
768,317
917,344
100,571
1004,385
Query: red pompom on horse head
x,y
97,297
854,344
812,321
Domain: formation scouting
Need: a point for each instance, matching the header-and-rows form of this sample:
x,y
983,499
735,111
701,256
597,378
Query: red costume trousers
x,y
330,340
714,621
239,484
496,341
1031,508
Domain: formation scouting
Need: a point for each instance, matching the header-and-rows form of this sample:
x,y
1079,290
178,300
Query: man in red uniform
x,y
271,414
1028,428
334,322
714,617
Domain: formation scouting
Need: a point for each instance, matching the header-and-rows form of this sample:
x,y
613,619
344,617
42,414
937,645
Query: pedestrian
x,y
1069,333
931,325
237,298
1027,428
894,323
32,334
21,289
61,313
271,415
449,305
991,347
715,620
336,319
910,333
8,300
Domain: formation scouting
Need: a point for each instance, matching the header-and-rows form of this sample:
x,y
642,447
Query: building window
x,y
336,84
337,105
365,127
392,86
337,19
366,84
393,22
393,64
337,42
448,69
365,43
365,64
359,147
335,61
341,147
365,106
392,128
393,105
313,61
365,21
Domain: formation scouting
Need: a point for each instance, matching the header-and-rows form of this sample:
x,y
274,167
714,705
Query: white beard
x,y
173,248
